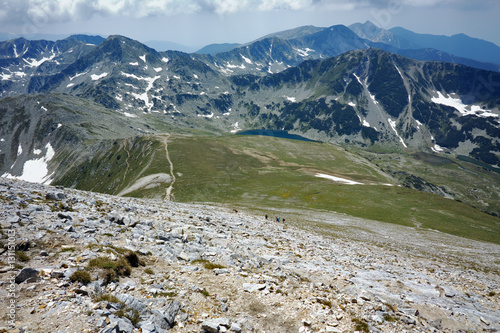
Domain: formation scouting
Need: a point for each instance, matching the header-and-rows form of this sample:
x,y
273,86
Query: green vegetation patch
x,y
259,171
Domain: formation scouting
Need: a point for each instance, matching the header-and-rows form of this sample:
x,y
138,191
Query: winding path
x,y
169,196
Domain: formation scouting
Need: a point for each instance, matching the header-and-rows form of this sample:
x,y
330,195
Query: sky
x,y
197,23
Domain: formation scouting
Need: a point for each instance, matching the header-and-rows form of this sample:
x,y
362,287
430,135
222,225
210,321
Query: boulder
x,y
29,274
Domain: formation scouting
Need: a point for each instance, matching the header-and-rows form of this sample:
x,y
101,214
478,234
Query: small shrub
x,y
149,271
68,249
106,298
360,325
213,265
389,318
204,292
133,259
325,302
108,275
491,293
22,256
200,261
80,276
121,267
170,294
131,314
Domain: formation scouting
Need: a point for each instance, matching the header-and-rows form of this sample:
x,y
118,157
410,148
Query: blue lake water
x,y
275,133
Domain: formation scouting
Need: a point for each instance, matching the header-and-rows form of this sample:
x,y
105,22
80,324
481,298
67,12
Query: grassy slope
x,y
263,172
268,172
116,164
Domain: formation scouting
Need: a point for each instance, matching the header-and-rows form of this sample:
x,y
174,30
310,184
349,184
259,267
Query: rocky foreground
x,y
77,261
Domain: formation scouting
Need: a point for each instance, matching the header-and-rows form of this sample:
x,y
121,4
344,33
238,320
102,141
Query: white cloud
x,y
44,12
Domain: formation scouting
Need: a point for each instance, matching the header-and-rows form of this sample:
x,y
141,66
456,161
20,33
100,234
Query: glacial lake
x,y
275,133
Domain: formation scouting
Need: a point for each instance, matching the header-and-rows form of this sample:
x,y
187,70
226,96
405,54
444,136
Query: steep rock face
x,y
24,64
44,133
375,97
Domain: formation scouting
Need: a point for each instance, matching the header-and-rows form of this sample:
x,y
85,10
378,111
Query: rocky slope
x,y
97,263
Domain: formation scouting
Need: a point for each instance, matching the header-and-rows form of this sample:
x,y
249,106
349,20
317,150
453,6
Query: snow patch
x,y
211,115
304,52
393,126
144,96
130,115
236,128
70,85
351,104
165,59
36,170
36,63
19,74
131,85
5,76
44,108
96,77
134,63
338,179
437,149
71,78
242,66
143,58
400,74
461,107
291,99
157,69
247,60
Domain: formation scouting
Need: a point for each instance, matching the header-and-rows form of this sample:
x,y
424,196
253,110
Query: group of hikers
x,y
278,219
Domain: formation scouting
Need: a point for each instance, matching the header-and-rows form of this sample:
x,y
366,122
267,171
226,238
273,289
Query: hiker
x,y
277,219
283,220
266,216
236,211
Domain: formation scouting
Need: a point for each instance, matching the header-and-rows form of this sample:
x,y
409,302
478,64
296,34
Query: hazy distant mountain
x,y
159,45
217,48
95,40
50,37
295,33
370,31
460,45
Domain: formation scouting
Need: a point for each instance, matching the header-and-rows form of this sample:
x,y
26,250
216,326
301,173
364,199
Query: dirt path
x,y
169,196
126,160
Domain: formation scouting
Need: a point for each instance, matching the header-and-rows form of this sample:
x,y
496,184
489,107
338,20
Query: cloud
x,y
39,12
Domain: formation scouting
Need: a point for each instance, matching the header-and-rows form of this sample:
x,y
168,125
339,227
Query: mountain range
x,y
70,103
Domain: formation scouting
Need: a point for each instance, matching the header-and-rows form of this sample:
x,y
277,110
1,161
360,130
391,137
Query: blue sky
x,y
201,22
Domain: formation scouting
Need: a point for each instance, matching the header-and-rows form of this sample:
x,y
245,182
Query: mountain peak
x,y
370,24
88,39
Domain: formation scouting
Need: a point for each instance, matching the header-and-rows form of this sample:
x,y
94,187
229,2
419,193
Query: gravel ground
x,y
152,266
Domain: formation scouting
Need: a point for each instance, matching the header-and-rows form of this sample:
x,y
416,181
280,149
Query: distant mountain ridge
x,y
459,45
329,85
